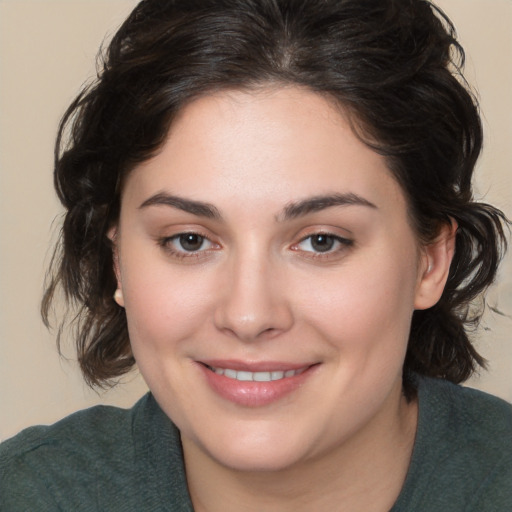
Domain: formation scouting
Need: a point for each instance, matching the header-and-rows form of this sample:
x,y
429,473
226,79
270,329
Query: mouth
x,y
247,376
255,384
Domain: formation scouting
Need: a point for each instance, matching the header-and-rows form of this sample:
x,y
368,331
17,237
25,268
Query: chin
x,y
256,460
263,448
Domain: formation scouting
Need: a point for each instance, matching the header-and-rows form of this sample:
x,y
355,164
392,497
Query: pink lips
x,y
255,384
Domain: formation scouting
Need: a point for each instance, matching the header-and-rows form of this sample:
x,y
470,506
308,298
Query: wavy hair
x,y
393,65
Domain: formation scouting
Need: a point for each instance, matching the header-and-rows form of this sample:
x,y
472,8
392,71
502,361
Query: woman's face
x,y
269,275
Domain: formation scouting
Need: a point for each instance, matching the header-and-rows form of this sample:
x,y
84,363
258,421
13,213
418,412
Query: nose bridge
x,y
253,304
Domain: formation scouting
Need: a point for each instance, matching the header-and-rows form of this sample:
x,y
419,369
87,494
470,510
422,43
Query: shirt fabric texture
x,y
111,460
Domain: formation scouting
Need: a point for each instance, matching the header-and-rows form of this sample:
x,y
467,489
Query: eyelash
x,y
167,244
340,244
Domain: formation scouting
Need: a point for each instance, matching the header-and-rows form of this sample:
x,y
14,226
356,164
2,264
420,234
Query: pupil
x,y
191,241
322,243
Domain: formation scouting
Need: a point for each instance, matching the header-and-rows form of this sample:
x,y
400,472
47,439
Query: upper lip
x,y
254,366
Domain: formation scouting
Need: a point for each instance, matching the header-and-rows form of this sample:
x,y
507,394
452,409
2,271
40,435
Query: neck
x,y
366,473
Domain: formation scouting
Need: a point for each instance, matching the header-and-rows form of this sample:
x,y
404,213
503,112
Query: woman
x,y
269,209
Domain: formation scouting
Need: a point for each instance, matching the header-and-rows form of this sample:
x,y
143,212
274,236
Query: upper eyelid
x,y
167,239
325,233
340,239
185,231
181,233
167,244
346,234
343,244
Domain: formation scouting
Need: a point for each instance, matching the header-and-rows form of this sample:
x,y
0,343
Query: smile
x,y
256,376
255,384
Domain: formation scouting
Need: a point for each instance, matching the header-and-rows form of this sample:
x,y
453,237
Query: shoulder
x,y
97,422
80,434
456,413
462,458
57,466
103,458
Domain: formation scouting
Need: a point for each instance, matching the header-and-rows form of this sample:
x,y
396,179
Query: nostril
x,y
252,308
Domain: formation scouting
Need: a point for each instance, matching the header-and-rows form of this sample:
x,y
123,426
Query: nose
x,y
254,303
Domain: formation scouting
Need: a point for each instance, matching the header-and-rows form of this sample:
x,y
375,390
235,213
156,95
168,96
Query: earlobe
x,y
435,267
118,297
118,294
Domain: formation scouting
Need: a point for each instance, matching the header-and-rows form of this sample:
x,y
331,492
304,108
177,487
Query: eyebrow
x,y
291,211
198,208
317,203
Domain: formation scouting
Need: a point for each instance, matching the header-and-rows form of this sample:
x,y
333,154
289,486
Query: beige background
x,y
47,50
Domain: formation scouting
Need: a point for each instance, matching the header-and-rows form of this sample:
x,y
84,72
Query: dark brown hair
x,y
393,65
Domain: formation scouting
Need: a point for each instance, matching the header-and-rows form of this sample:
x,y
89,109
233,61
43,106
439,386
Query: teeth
x,y
255,376
230,373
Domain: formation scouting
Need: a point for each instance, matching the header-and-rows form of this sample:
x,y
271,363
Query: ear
x,y
435,266
118,295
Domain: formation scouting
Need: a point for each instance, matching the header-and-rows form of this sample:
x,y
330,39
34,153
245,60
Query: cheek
x,y
166,317
163,308
367,307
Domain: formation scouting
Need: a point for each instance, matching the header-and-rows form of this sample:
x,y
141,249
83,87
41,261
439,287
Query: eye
x,y
184,244
189,242
322,243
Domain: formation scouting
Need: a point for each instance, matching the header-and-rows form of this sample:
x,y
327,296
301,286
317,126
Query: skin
x,y
257,289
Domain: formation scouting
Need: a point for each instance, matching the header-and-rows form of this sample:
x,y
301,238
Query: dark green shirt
x,y
108,459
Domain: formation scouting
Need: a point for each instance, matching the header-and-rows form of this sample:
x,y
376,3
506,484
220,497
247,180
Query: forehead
x,y
264,147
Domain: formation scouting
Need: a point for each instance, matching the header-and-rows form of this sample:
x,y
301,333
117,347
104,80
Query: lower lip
x,y
254,394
